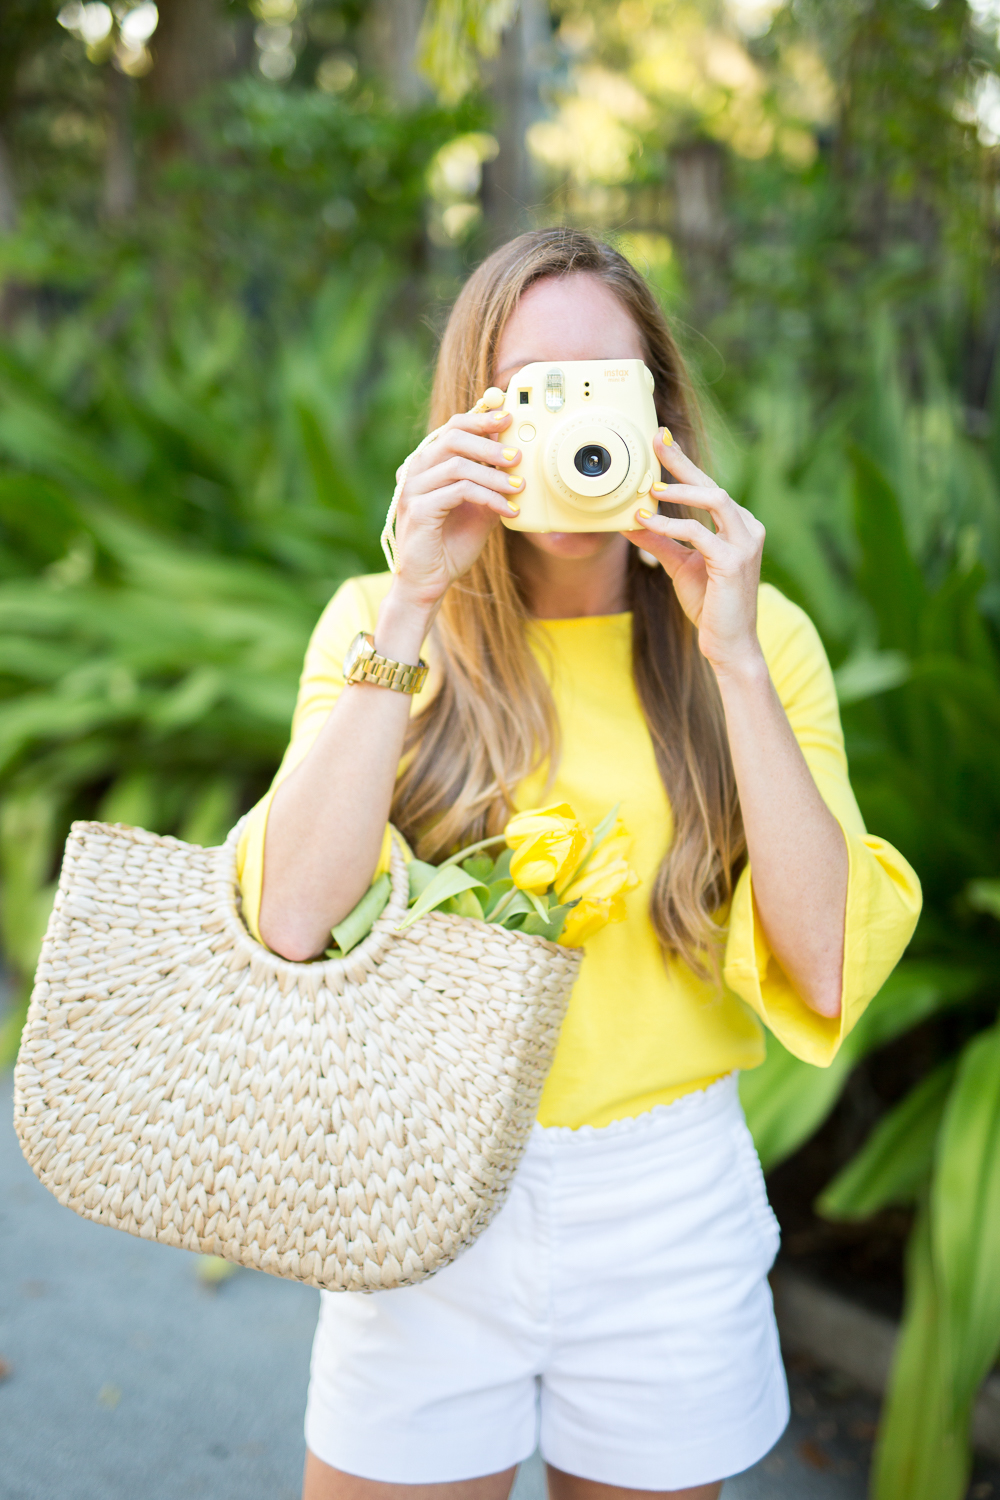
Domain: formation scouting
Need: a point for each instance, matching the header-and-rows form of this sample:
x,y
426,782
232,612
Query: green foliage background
x,y
204,396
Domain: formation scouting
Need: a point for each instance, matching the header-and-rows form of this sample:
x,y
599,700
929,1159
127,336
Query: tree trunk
x,y
119,192
389,49
700,222
188,48
509,182
9,216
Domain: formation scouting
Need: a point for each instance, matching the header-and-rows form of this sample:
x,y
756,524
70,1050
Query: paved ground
x,y
130,1378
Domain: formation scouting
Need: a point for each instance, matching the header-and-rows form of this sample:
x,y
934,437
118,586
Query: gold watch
x,y
363,664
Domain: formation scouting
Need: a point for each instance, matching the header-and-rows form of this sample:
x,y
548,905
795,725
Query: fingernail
x,y
515,510
666,437
658,487
643,515
510,454
513,479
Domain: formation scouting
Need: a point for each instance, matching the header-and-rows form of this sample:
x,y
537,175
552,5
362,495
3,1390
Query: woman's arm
x,y
797,851
327,820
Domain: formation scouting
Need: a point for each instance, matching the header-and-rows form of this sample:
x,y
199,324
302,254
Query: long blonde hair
x,y
492,721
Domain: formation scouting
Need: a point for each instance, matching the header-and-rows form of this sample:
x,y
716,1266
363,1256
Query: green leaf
x,y
359,922
516,908
965,1215
540,904
501,869
605,826
786,1100
496,889
480,867
984,895
895,1161
921,1453
420,875
448,881
547,927
463,905
888,574
870,673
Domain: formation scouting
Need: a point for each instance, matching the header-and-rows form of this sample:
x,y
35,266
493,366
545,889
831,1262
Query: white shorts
x,y
616,1313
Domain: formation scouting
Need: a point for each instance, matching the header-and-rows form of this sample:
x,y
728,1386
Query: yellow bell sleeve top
x,y
641,1031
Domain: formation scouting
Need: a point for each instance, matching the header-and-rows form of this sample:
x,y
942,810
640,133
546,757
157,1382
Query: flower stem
x,y
503,903
498,838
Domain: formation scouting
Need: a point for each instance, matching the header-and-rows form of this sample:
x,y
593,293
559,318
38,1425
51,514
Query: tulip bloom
x,y
548,843
588,917
607,873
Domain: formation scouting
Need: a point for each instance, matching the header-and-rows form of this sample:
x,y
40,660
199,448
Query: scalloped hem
x,y
720,1093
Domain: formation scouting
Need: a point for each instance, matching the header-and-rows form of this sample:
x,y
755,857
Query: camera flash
x,y
555,391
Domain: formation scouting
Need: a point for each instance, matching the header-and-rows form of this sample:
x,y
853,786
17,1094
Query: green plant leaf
x,y
920,1453
984,895
787,1100
888,575
549,927
420,876
895,1161
965,1216
480,867
464,904
359,922
870,673
448,881
497,888
515,909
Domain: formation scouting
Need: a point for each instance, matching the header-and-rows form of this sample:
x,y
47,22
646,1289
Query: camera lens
x,y
593,460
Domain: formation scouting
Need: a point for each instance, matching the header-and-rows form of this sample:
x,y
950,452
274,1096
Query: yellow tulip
x,y
607,872
548,844
588,917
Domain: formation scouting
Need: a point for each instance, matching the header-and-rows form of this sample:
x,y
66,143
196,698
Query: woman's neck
x,y
559,587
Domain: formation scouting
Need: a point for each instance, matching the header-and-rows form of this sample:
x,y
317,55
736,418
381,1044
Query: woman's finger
x,y
675,460
430,508
485,425
456,442
669,554
455,469
713,548
727,515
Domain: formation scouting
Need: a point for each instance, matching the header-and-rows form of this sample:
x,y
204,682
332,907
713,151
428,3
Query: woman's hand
x,y
454,492
716,576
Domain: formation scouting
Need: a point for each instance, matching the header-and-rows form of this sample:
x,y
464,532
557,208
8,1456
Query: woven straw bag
x,y
352,1123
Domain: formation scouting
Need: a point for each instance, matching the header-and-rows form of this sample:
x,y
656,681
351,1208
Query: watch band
x,y
369,666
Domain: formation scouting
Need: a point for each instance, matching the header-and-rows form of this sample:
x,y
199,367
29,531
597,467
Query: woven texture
x,y
352,1124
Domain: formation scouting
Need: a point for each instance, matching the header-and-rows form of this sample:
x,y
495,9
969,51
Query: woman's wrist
x,y
403,625
741,670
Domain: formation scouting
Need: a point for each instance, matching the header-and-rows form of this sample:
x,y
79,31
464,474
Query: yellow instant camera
x,y
585,429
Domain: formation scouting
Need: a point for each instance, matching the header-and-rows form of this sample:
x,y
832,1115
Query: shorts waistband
x,y
687,1112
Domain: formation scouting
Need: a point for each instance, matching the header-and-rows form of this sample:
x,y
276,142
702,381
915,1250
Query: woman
x,y
617,1310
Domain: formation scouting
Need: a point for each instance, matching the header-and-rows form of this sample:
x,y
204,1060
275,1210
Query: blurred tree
x,y
23,25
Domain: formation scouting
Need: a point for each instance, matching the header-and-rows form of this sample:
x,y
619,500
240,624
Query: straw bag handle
x,y
330,971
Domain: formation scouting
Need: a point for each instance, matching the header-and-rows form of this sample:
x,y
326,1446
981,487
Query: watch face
x,y
357,652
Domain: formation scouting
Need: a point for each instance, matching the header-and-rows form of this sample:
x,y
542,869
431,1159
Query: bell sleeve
x,y
883,892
